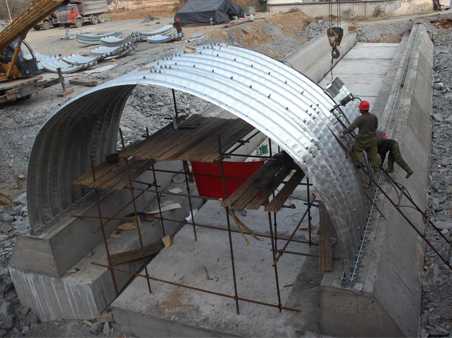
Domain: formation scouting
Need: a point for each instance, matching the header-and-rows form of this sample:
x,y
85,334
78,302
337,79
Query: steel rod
x,y
235,231
120,210
291,236
231,249
158,201
104,236
275,266
196,288
137,220
95,217
242,142
208,175
186,169
245,155
175,103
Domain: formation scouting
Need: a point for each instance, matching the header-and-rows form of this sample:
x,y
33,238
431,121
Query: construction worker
x,y
366,141
391,146
178,26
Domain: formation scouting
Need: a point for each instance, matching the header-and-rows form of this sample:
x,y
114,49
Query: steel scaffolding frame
x,y
272,222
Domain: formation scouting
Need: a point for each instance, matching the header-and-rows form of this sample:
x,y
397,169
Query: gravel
x,y
436,313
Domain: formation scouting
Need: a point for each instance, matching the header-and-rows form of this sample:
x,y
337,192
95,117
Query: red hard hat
x,y
386,137
177,19
364,105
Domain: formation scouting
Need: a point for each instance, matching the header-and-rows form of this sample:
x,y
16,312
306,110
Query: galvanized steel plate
x,y
277,100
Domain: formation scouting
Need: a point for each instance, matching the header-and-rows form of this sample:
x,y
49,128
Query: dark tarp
x,y
200,11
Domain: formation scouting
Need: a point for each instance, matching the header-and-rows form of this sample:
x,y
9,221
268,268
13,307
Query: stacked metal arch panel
x,y
94,39
113,41
104,51
164,38
277,100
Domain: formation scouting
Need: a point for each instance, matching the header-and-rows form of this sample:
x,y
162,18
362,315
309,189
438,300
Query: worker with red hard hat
x,y
366,141
178,26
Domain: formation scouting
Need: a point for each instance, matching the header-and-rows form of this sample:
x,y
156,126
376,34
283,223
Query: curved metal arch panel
x,y
277,100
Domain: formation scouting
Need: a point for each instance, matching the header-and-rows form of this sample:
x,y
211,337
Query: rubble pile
x,y
436,313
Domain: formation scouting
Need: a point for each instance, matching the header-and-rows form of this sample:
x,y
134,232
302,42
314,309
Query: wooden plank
x,y
325,240
247,184
13,84
276,204
80,82
100,170
251,192
257,202
132,255
135,174
133,148
66,93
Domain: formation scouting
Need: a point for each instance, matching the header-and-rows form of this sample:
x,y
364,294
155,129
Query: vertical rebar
x,y
137,219
157,193
274,214
231,249
275,265
101,220
309,210
175,104
186,170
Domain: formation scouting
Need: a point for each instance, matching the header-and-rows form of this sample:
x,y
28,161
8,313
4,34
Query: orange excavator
x,y
18,73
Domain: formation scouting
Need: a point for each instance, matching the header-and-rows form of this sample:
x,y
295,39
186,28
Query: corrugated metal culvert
x,y
277,100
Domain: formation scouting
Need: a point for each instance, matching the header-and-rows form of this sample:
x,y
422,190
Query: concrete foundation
x,y
172,311
39,265
385,301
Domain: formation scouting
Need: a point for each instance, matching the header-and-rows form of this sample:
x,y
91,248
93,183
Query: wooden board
x,y
325,240
276,204
257,202
196,139
16,83
132,255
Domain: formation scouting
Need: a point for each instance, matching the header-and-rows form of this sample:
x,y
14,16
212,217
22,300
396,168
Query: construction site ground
x,y
274,34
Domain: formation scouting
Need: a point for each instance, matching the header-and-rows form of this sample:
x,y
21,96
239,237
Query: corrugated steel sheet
x,y
279,101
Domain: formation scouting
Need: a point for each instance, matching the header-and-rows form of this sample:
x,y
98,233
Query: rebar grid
x,y
273,235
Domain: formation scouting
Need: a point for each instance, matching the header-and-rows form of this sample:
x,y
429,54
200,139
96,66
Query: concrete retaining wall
x,y
386,298
314,58
352,10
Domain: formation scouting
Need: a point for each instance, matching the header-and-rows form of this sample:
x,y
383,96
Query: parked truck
x,y
76,13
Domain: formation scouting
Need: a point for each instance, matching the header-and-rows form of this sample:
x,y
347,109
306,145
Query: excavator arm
x,y
19,28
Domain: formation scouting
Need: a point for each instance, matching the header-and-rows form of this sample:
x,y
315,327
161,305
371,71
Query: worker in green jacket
x,y
366,141
386,145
